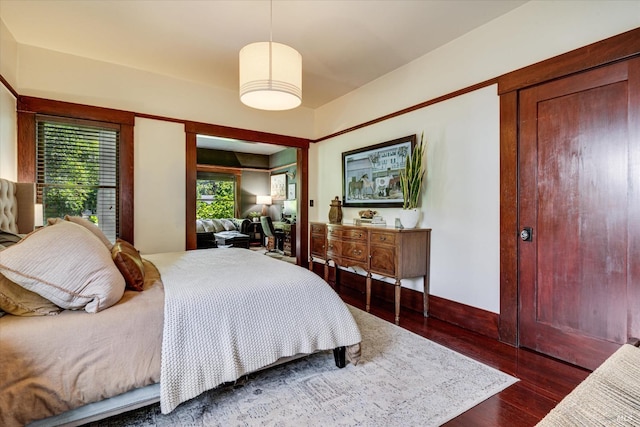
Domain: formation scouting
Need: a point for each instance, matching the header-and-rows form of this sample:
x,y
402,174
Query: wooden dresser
x,y
389,252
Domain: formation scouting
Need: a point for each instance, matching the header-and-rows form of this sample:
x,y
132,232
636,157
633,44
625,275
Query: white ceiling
x,y
226,144
344,44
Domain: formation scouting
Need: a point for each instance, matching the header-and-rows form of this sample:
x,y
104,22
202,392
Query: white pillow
x,y
92,228
66,264
208,226
228,225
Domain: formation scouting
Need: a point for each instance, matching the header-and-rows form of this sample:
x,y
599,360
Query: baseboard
x,y
467,317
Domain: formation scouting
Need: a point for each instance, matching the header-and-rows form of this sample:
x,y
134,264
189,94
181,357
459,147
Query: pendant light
x,y
270,75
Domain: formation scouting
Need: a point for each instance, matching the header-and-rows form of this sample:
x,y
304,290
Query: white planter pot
x,y
409,217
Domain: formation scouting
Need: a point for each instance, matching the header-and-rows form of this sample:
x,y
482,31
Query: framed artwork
x,y
371,175
291,192
279,186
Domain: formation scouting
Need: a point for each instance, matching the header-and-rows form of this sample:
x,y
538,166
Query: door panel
x,y
577,186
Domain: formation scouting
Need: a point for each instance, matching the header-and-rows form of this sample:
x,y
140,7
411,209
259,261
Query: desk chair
x,y
269,231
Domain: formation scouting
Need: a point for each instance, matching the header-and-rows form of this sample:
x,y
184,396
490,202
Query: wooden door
x,y
579,192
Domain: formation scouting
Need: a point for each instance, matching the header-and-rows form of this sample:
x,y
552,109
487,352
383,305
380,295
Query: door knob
x,y
526,234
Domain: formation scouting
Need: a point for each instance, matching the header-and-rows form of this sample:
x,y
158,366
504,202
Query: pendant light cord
x,y
271,44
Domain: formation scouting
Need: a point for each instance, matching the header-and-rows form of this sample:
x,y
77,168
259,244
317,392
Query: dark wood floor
x,y
543,380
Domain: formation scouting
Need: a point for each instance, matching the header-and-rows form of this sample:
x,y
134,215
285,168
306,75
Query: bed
x,y
197,319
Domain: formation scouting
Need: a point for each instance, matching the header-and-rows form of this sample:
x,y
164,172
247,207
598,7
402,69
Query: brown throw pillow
x,y
128,260
16,300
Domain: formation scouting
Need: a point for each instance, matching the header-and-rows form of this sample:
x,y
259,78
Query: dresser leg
x,y
368,291
326,271
397,292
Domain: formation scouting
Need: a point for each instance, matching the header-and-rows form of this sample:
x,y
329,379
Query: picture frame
x,y
291,191
371,175
279,186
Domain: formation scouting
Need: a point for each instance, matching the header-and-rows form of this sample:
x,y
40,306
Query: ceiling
x,y
227,144
344,44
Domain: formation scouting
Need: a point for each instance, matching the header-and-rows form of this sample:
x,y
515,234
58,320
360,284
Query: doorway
x,y
193,130
579,188
622,48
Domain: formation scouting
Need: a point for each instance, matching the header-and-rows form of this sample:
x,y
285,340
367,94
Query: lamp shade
x,y
263,200
270,76
38,215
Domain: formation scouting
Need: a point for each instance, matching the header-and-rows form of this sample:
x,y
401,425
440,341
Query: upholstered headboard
x,y
17,205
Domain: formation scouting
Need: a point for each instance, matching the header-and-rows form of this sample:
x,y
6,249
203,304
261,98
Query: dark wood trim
x,y
471,318
412,108
245,134
302,145
79,111
26,147
28,107
237,172
191,159
616,48
8,86
613,49
126,184
508,323
302,225
161,118
634,202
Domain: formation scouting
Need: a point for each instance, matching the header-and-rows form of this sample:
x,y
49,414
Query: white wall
x,y
8,117
462,193
460,199
86,81
159,186
8,136
9,55
533,32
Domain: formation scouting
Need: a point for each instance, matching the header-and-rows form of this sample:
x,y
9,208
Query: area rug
x,y
402,380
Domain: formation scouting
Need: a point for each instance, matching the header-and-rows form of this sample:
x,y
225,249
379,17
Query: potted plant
x,y
411,179
255,216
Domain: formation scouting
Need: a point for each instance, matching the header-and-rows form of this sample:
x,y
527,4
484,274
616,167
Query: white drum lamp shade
x,y
270,76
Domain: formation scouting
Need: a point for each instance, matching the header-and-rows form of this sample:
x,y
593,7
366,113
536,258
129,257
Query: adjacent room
x,y
354,212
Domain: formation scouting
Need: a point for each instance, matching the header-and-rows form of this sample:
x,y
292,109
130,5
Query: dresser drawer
x,y
335,232
355,250
334,248
317,228
348,262
381,238
383,260
354,234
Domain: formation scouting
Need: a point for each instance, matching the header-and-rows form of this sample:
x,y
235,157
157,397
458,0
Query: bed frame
x,y
17,200
141,397
20,200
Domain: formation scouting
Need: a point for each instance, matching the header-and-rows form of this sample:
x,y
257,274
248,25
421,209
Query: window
x,y
77,170
215,195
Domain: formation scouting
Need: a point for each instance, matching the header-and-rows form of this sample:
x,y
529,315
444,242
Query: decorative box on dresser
x,y
389,252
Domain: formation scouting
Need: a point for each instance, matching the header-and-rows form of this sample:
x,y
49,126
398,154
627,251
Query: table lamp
x,y
264,201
